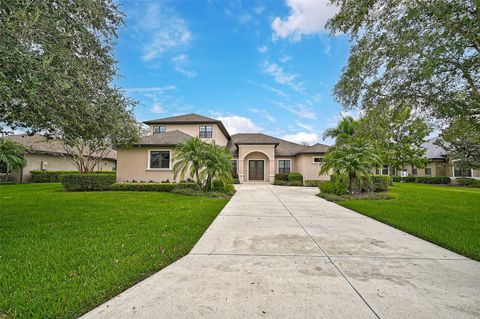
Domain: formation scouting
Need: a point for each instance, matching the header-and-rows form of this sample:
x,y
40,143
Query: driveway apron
x,y
282,252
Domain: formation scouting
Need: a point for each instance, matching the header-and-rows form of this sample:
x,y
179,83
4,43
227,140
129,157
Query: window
x,y
159,159
284,166
205,131
318,160
414,171
385,170
377,171
234,168
159,129
428,171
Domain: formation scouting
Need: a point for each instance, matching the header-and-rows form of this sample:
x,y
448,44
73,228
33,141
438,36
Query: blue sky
x,y
265,66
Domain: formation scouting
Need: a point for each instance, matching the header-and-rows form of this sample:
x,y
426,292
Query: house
x,y
437,165
47,154
256,156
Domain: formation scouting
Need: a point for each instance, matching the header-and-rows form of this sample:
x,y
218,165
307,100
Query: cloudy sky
x,y
259,66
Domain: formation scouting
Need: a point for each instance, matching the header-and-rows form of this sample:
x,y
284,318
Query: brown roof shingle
x,y
40,144
169,138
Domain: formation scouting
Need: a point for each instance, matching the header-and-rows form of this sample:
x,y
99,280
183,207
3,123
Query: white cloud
x,y
305,126
157,108
306,17
259,9
263,49
157,89
179,64
245,18
302,138
239,124
279,92
285,58
299,109
282,77
264,113
163,30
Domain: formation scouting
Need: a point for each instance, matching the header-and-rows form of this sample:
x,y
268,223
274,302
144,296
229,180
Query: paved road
x,y
281,252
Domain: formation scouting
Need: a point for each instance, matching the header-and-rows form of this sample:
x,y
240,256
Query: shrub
x,y
87,182
236,181
295,183
280,182
39,176
406,179
146,187
312,182
281,177
475,184
363,196
221,187
3,178
379,183
336,188
433,179
464,181
295,177
286,183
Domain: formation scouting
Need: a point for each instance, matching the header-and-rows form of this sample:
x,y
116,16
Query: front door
x,y
255,170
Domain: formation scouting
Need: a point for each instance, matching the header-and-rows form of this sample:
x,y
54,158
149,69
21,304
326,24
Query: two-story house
x,y
256,156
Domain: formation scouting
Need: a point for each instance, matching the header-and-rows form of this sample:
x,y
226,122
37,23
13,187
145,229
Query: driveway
x,y
282,252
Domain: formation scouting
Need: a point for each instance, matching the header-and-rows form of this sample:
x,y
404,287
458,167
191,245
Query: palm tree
x,y
217,165
344,130
11,155
350,161
189,157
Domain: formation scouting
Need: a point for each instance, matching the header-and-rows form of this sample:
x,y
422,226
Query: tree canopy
x,y
425,54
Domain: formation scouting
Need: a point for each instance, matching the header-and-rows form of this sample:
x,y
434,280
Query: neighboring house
x,y
256,156
437,165
47,154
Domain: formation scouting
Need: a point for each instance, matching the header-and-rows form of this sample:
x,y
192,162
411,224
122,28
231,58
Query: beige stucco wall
x,y
194,129
305,166
265,152
132,165
54,163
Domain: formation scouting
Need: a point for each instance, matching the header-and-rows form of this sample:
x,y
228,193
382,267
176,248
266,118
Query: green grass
x,y
61,254
445,215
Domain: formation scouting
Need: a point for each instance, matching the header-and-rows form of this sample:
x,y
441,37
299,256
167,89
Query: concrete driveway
x,y
282,252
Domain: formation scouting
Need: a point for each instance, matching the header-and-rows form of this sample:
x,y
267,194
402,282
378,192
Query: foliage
x,y
410,53
236,181
11,155
295,177
287,183
39,176
464,181
396,134
378,183
406,179
189,159
203,161
143,187
220,186
98,244
281,177
350,161
336,188
345,129
87,182
312,182
461,140
433,180
446,216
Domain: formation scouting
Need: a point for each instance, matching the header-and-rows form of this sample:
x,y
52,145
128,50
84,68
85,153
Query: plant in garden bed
x,y
11,156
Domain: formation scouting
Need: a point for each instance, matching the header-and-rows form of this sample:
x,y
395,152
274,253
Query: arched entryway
x,y
256,166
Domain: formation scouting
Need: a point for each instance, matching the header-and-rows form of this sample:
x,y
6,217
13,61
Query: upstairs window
x,y
159,159
159,129
283,166
318,160
205,131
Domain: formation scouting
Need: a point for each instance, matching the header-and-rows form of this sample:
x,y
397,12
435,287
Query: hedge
x,y
377,183
281,177
337,188
39,176
433,180
287,183
406,179
469,182
313,182
87,182
143,187
295,177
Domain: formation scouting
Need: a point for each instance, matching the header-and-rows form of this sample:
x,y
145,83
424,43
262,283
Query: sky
x,y
259,66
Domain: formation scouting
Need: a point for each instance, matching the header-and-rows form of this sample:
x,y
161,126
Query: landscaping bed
x,y
445,215
63,253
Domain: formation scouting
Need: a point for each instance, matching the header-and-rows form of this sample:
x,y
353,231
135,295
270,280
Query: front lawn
x,y
61,254
445,215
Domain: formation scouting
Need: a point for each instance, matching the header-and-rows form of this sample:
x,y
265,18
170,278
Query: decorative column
x,y
271,175
241,171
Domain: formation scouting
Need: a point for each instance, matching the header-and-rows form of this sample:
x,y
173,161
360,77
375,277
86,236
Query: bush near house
x,y
433,180
287,183
333,187
406,179
39,176
177,188
87,182
281,177
469,182
312,182
144,187
295,177
377,183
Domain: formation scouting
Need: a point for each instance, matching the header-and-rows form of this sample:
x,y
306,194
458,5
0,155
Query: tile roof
x,y
433,151
38,144
282,147
189,119
169,138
